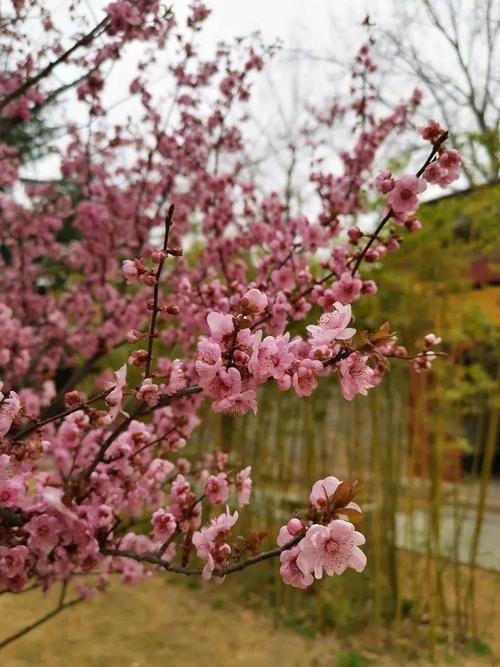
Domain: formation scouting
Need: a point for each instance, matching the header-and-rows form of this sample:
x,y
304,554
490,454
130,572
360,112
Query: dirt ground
x,y
160,624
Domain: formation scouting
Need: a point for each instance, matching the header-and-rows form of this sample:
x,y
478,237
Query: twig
x,y
390,212
156,293
43,619
154,559
29,83
61,415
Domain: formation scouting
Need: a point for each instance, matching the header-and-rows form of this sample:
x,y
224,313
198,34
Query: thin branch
x,y
390,212
156,293
61,415
29,83
154,559
43,619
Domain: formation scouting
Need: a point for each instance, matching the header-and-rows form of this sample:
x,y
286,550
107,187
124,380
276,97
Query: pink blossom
x,y
445,169
44,532
384,181
432,339
9,410
12,491
220,325
403,198
123,15
226,382
423,361
304,379
289,531
347,288
432,131
209,359
323,490
354,234
13,562
217,488
332,326
290,571
115,397
164,524
271,357
331,549
237,404
211,545
244,486
253,301
356,377
130,271
148,392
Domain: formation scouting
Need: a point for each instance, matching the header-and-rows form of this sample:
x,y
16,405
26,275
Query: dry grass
x,y
160,623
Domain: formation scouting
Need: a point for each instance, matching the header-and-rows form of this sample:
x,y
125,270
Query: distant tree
x,y
453,48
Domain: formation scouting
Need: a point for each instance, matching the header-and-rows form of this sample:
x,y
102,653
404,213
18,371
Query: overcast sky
x,y
315,35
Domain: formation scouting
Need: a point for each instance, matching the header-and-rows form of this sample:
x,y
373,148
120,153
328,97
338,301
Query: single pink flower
x,y
356,377
237,404
347,288
115,398
130,271
10,409
244,486
332,326
331,549
323,490
403,198
217,488
164,524
305,377
44,533
209,359
253,301
270,358
290,572
13,562
432,339
148,392
289,531
220,325
210,542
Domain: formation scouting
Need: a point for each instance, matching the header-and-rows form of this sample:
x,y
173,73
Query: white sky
x,y
325,29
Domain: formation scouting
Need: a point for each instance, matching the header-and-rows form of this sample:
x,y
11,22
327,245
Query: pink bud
x,y
158,256
294,526
138,358
354,234
253,301
369,287
432,339
134,336
413,225
130,271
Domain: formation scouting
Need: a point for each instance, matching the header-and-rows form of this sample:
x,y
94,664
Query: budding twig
x,y
156,293
390,212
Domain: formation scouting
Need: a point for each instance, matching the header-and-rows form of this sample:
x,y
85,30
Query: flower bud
x,y
294,526
74,398
158,256
175,252
253,301
138,358
134,336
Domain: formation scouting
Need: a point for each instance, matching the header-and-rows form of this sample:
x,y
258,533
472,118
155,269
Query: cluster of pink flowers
x,y
326,544
91,300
